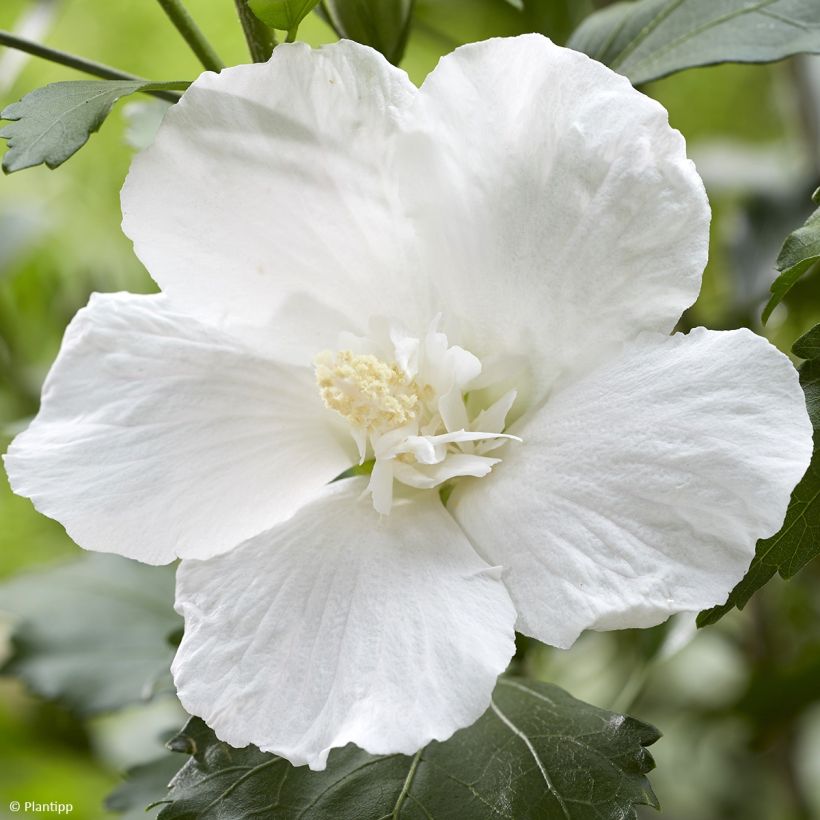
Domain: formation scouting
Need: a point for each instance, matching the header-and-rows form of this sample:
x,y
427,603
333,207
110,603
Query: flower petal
x,y
266,190
161,437
641,490
555,206
340,626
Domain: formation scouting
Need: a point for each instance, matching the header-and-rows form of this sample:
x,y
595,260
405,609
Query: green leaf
x,y
284,15
93,633
648,39
800,252
52,123
798,540
446,25
555,18
381,24
808,345
536,754
144,785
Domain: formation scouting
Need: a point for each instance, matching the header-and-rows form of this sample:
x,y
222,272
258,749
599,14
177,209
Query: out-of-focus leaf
x,y
808,347
800,252
52,123
444,26
93,633
381,24
555,18
144,785
284,15
20,229
777,694
649,39
536,754
798,540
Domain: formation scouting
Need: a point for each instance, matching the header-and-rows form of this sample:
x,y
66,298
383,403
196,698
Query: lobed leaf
x,y
52,123
93,633
536,754
143,785
798,540
800,253
649,39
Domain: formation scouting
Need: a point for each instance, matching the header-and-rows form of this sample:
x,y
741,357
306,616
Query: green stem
x,y
258,36
79,63
408,782
192,34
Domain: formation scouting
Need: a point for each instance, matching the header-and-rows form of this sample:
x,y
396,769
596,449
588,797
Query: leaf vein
x,y
528,743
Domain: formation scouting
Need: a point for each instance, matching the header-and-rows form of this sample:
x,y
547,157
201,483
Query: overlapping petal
x,y
527,192
641,490
266,199
342,626
161,437
558,211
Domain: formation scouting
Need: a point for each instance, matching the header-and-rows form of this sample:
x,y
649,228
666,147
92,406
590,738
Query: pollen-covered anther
x,y
370,393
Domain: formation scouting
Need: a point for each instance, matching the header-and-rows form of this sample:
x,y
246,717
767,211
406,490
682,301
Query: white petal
x,y
380,485
433,449
427,476
339,626
555,205
423,449
527,193
494,418
452,411
266,188
161,437
641,490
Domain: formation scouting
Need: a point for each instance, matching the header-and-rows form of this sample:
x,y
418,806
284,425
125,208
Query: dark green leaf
x,y
778,694
284,15
648,39
555,18
381,24
800,252
53,122
93,633
143,786
441,26
798,540
536,754
808,345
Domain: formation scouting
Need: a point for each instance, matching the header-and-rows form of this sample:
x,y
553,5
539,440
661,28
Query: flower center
x,y
371,394
404,398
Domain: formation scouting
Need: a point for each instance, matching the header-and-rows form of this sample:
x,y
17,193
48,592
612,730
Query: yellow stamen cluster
x,y
370,393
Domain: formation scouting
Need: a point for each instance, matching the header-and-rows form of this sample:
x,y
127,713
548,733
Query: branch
x,y
258,36
73,61
192,34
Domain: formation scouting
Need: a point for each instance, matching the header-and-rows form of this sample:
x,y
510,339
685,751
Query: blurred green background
x,y
739,705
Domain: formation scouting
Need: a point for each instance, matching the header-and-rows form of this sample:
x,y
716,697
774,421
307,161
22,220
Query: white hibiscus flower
x,y
467,286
